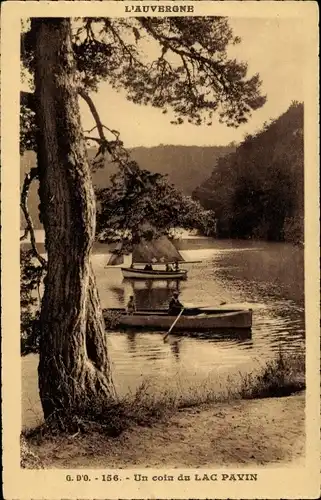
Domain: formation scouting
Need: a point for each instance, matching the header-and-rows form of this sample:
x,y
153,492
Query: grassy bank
x,y
281,377
243,433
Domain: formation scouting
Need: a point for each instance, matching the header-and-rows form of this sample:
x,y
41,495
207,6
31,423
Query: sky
x,y
274,48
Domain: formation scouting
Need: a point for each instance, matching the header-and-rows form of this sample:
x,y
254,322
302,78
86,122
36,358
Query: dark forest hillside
x,y
186,167
258,190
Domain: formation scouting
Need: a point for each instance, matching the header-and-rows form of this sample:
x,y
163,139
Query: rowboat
x,y
155,274
193,319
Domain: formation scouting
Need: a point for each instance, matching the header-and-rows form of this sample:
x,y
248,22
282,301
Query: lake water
x,y
268,277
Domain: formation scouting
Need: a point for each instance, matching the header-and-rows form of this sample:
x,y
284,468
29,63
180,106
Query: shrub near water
x,y
112,319
282,376
142,408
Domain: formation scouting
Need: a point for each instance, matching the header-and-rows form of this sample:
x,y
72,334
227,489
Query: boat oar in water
x,y
171,328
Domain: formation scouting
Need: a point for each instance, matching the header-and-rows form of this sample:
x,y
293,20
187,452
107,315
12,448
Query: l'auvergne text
x,y
156,9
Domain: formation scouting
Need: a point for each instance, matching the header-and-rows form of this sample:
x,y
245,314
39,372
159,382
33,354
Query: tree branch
x,y
189,78
94,112
168,43
33,174
115,148
94,139
123,45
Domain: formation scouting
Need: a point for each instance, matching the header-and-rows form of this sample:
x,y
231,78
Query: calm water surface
x,y
268,277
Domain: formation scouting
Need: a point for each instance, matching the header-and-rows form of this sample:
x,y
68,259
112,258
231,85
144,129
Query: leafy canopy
x,y
144,206
177,63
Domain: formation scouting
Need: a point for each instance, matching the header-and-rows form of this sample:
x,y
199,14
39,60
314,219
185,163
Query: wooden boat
x,y
155,274
157,252
194,319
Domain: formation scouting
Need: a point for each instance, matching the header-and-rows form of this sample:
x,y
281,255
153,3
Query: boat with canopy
x,y
148,259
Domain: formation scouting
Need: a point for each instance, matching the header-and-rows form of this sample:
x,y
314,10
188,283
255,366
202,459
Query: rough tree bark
x,y
74,366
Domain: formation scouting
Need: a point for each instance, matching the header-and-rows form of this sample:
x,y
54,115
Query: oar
x,y
171,328
201,306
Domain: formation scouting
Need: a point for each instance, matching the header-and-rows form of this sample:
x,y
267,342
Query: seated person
x,y
175,305
131,306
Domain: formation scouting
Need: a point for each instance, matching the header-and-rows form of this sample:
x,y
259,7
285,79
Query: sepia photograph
x,y
163,246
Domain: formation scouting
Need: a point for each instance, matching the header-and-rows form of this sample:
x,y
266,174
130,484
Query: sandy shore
x,y
239,433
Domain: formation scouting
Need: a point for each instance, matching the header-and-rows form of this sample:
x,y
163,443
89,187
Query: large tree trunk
x,y
74,368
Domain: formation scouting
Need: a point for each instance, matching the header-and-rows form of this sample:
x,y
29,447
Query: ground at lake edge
x,y
240,433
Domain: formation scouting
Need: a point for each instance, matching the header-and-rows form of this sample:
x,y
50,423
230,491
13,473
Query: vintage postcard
x,y
160,250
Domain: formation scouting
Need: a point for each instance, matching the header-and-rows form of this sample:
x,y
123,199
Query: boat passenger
x,y
169,267
176,266
174,305
131,306
148,267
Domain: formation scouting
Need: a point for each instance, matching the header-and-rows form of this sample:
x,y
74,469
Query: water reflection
x,y
131,341
148,294
175,348
266,277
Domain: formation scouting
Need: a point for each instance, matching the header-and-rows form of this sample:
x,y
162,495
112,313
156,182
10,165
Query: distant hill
x,y
186,167
257,191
